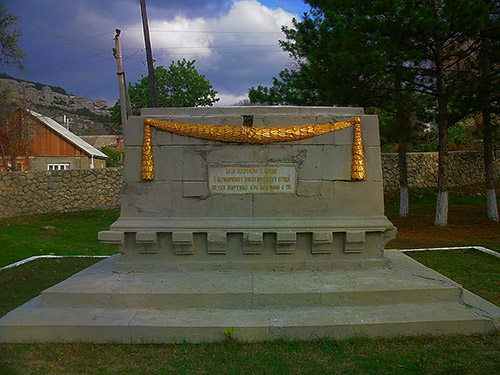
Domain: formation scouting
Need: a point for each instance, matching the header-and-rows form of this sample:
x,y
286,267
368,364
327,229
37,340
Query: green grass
x,y
20,284
74,233
454,355
476,271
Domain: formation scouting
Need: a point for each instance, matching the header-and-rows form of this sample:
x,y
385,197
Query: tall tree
x,y
15,137
179,86
489,88
442,32
10,54
480,95
350,53
14,131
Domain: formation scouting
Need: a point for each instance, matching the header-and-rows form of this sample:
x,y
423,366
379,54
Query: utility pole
x,y
149,55
117,52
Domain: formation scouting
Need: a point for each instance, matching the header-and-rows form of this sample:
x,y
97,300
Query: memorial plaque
x,y
252,179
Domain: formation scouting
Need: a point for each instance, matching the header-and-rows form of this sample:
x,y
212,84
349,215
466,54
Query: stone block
x,y
147,248
244,153
212,206
308,188
326,163
182,237
183,243
168,163
358,198
290,205
111,237
370,130
160,137
357,236
322,242
145,199
195,189
286,242
216,242
194,165
179,140
373,164
354,242
253,242
133,135
344,137
322,237
146,237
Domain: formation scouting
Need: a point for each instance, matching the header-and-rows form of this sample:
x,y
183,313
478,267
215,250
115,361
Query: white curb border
x,y
478,248
21,262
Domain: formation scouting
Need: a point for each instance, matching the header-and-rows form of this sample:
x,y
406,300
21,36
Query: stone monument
x,y
251,188
266,220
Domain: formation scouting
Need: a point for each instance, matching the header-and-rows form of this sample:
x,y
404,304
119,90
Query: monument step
x,y
34,323
404,299
99,287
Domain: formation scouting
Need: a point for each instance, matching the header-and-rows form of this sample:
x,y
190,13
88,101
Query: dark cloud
x,y
68,43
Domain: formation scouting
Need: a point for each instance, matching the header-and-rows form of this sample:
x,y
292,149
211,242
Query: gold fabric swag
x,y
253,135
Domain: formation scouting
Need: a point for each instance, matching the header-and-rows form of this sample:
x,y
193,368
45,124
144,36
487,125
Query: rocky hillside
x,y
86,116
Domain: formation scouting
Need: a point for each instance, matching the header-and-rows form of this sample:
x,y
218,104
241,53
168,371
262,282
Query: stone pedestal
x,y
277,206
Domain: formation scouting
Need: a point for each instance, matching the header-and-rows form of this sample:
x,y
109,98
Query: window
x,y
57,166
19,166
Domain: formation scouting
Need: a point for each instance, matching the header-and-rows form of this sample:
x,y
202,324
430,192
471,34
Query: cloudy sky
x,y
235,43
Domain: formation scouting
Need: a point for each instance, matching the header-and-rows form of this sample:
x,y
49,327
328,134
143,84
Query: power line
x,y
209,32
214,46
220,52
72,42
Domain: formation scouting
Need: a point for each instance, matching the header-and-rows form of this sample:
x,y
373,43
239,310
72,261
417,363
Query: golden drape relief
x,y
253,135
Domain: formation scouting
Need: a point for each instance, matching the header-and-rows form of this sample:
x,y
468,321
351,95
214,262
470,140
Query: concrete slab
x,y
99,305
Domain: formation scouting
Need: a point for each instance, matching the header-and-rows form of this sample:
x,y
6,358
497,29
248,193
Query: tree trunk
x,y
13,165
441,218
491,200
404,205
4,159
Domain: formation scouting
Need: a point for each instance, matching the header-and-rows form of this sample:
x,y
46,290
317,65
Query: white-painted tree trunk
x,y
491,204
404,206
441,209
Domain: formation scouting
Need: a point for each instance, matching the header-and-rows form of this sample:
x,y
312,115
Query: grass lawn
x,y
20,284
73,233
76,234
467,222
476,271
454,355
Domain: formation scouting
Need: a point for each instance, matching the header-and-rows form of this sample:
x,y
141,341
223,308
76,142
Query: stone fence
x,y
23,193
465,168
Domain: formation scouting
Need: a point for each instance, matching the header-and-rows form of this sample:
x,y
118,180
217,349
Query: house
x,y
36,142
113,141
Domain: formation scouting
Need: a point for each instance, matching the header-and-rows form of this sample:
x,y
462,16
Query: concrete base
x,y
99,305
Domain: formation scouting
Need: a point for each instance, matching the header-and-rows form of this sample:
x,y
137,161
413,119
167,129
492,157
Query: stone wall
x,y
465,167
23,193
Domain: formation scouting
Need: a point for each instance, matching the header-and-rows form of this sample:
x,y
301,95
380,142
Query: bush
x,y
115,157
